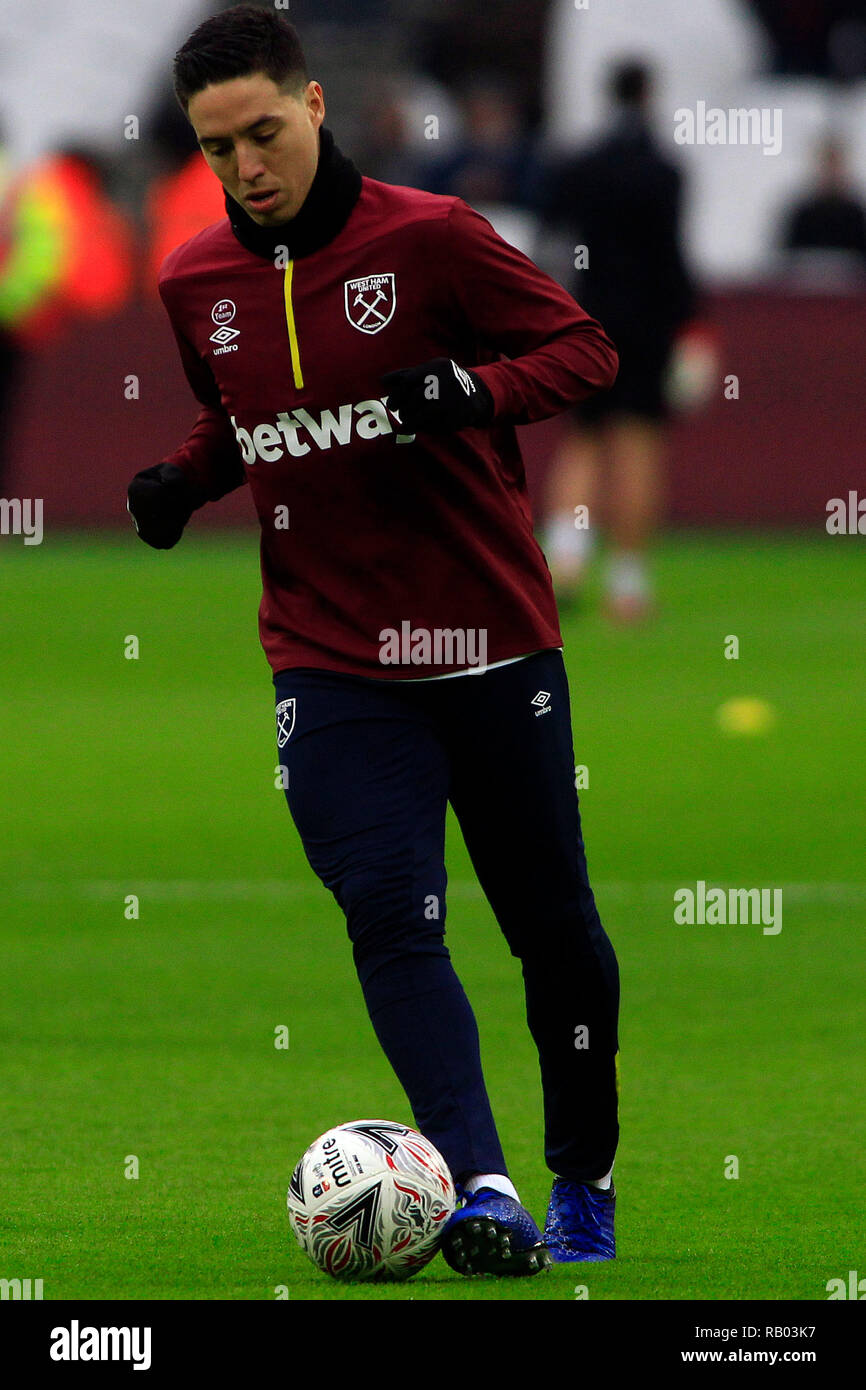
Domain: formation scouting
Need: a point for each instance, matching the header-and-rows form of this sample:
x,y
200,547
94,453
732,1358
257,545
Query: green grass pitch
x,y
154,1037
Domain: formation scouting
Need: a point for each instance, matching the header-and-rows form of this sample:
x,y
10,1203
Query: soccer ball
x,y
369,1199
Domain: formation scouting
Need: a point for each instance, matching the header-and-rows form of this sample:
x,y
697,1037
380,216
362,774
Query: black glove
x,y
161,501
438,397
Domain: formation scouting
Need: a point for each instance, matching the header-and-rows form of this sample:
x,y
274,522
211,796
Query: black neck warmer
x,y
324,212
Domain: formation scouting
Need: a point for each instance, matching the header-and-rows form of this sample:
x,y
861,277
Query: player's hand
x,y
161,501
438,397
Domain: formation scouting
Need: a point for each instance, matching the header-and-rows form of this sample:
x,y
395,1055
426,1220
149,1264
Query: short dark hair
x,y
237,43
630,83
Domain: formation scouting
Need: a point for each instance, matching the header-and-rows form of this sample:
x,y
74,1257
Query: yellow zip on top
x,y
290,325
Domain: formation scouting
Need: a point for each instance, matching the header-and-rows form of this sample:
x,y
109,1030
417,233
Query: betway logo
x,y
296,431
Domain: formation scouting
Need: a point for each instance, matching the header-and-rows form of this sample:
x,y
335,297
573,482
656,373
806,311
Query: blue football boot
x,y
579,1223
493,1234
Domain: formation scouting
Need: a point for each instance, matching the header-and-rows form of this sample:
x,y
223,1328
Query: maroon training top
x,y
366,529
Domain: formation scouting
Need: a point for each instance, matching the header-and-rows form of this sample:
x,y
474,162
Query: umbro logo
x,y
222,314
542,699
465,380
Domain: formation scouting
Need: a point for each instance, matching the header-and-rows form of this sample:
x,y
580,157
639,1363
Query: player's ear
x,y
314,99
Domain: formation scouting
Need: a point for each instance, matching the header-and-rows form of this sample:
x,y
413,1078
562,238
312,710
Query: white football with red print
x,y
369,1200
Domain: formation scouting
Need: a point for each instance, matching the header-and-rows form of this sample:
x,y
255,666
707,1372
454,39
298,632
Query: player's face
x,y
262,143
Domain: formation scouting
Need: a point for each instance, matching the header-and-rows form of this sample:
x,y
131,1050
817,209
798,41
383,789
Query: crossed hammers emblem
x,y
369,308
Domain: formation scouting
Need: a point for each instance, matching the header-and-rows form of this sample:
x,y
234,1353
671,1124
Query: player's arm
x,y
502,302
207,465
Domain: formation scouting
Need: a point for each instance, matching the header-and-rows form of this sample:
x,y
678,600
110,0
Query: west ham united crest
x,y
285,721
370,302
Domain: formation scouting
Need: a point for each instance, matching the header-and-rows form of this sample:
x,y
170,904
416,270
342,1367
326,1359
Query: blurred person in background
x,y
389,153
95,251
455,42
830,218
621,199
179,203
816,38
494,162
31,234
400,144
65,252
183,196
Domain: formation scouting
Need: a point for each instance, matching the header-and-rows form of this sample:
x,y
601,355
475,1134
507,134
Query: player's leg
x,y
636,436
368,783
636,495
514,794
570,505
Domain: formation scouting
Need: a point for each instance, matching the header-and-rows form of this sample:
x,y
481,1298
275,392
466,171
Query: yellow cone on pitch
x,y
745,716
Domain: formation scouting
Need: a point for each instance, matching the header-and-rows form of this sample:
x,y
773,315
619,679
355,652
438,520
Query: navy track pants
x,y
371,767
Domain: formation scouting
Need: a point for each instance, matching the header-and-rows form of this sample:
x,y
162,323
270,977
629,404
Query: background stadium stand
x,y
76,71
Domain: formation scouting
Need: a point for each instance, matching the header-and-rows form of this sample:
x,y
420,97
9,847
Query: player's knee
x,y
389,906
550,929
